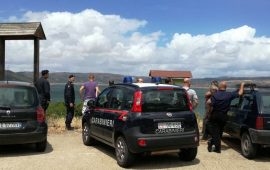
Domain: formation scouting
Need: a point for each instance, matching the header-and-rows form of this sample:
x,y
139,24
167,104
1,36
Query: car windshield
x,y
266,103
164,100
18,97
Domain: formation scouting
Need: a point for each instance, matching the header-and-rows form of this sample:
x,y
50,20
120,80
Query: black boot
x,y
217,149
210,146
68,127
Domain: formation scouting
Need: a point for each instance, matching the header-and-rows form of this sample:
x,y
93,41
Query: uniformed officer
x,y
69,95
220,103
43,88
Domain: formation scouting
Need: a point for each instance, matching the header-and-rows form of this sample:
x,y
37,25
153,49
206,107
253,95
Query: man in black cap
x,y
69,95
43,88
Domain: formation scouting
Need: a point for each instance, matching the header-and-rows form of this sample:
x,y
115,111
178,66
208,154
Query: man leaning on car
x,y
220,105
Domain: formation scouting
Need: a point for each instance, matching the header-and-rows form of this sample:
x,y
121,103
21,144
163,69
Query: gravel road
x,y
66,151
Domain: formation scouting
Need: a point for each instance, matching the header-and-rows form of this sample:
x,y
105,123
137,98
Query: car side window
x,y
121,99
116,99
247,103
128,99
103,98
236,102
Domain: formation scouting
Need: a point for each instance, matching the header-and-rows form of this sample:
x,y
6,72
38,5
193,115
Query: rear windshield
x,y
164,100
18,97
266,103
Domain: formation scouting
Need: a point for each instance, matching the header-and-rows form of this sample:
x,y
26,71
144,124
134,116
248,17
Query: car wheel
x,y
123,156
249,150
188,154
87,139
41,146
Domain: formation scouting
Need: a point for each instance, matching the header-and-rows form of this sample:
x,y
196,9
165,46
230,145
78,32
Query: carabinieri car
x,y
142,118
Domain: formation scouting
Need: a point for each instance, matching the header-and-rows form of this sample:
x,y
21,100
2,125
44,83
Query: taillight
x,y
189,102
259,122
141,142
137,103
40,115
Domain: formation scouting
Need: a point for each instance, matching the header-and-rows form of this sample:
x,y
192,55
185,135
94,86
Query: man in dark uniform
x,y
69,95
43,88
220,105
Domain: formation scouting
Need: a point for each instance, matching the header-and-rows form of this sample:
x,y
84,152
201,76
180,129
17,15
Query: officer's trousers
x,y
215,128
70,114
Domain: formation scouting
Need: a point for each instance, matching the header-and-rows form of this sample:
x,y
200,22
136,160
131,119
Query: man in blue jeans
x,y
220,104
91,91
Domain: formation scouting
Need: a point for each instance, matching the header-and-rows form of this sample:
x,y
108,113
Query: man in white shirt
x,y
191,93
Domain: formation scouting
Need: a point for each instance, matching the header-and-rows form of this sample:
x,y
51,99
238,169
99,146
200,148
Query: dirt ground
x,y
66,151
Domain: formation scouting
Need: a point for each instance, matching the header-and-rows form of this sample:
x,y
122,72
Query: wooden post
x,y
36,59
2,59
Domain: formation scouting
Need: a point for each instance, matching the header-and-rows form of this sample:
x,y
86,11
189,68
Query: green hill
x,y
103,78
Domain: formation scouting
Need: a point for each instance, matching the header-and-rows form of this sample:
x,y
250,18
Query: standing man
x,y
220,103
191,93
43,88
213,88
91,91
69,95
139,80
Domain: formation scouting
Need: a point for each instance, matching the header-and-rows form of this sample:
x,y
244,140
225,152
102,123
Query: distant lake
x,y
57,95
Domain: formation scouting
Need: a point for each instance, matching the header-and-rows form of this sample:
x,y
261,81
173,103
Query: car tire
x,y
123,156
188,154
41,146
86,137
249,150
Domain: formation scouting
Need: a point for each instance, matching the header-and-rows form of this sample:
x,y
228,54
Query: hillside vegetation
x,y
103,78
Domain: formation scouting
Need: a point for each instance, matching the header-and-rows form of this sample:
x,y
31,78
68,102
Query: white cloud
x,y
89,41
228,53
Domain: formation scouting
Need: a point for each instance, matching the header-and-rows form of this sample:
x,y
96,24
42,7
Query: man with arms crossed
x,y
89,91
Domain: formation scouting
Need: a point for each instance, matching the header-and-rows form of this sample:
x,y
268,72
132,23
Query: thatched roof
x,y
22,31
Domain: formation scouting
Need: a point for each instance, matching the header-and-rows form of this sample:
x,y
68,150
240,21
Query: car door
x,y
240,115
120,104
97,116
265,108
231,124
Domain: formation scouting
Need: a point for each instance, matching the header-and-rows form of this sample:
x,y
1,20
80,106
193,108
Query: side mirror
x,y
91,103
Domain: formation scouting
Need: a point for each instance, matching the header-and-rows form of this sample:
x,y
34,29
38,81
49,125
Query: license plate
x,y
169,125
14,125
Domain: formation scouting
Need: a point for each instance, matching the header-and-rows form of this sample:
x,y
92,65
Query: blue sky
x,y
162,25
170,16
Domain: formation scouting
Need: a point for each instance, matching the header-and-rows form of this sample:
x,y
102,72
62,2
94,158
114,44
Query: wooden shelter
x,y
21,31
170,74
176,77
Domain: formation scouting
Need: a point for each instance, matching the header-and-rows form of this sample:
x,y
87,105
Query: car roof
x,y
141,85
17,83
147,85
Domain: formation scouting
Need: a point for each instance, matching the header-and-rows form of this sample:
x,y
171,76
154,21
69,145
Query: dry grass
x,y
57,125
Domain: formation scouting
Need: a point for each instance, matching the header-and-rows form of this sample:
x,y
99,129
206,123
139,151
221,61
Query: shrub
x,y
58,110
